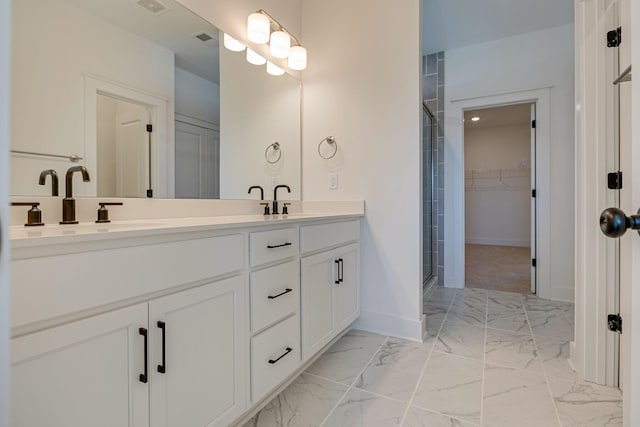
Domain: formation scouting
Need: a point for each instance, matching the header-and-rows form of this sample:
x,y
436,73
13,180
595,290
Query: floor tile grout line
x,y
544,370
326,379
424,367
445,415
354,381
484,359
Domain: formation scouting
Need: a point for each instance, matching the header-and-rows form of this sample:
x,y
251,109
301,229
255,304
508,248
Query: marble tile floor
x,y
499,268
508,370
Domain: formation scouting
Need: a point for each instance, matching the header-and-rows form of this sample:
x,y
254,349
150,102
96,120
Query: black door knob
x,y
614,223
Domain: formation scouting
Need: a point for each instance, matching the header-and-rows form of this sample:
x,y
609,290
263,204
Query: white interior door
x,y
132,150
197,162
533,199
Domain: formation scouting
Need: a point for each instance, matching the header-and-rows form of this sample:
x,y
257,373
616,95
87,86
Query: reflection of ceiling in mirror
x,y
175,29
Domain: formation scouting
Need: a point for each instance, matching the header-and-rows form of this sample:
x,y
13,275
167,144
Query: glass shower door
x,y
428,141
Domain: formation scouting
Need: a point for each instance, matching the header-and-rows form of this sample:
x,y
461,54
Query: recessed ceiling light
x,y
475,119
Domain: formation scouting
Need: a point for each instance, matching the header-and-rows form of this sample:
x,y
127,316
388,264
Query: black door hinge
x,y
533,193
533,124
614,322
614,180
533,262
614,37
149,128
149,193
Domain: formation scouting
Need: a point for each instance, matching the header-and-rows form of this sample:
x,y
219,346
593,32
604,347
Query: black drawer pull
x,y
144,377
163,368
337,281
289,350
286,291
279,246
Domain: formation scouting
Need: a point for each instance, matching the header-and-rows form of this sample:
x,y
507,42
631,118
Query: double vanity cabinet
x,y
179,326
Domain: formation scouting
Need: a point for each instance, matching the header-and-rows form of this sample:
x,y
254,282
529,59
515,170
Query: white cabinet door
x,y
346,301
319,272
84,373
204,357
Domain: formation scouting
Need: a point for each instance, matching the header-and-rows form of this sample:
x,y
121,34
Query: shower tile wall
x,y
433,93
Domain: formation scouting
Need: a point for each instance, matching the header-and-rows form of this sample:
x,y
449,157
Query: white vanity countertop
x,y
51,234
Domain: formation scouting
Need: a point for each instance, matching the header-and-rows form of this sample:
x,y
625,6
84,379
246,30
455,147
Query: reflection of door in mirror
x,y
197,161
123,147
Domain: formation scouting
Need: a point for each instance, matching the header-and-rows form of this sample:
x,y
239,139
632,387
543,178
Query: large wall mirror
x,y
143,94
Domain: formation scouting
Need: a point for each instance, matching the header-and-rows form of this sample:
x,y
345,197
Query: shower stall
x,y
429,175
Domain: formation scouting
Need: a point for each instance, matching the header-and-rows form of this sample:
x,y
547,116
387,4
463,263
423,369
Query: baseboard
x,y
497,242
384,324
560,294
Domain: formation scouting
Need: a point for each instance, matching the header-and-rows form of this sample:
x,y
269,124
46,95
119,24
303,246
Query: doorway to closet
x,y
499,163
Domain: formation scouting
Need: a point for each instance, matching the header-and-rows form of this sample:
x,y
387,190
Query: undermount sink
x,y
52,230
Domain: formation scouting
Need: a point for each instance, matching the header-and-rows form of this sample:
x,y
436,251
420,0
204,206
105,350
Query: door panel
x,y
318,277
203,383
85,373
345,297
197,162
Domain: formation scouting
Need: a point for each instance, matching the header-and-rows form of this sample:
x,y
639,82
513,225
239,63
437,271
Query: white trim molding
x,y
454,187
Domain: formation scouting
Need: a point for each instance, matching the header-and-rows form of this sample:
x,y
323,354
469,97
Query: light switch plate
x,y
333,181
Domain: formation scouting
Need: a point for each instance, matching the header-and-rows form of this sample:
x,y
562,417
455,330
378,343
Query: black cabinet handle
x,y
144,377
341,270
279,246
337,262
163,368
286,291
272,361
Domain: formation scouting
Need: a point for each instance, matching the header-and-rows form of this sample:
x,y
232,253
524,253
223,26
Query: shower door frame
x,y
434,140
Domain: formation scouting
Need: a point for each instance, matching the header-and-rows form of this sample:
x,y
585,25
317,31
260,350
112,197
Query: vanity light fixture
x,y
233,44
258,28
273,69
282,44
254,58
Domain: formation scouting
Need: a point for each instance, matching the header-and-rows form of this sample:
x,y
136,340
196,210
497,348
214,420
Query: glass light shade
x,y
298,58
273,69
280,44
233,44
258,28
254,58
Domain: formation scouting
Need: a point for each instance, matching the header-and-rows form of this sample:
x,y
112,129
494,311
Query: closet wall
x,y
498,185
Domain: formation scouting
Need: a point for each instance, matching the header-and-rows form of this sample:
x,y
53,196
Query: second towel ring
x,y
276,148
331,141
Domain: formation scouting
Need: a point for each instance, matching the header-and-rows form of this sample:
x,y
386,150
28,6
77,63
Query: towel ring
x,y
331,141
276,148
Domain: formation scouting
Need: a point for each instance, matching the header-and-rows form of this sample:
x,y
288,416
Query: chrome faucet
x,y
69,203
274,211
54,180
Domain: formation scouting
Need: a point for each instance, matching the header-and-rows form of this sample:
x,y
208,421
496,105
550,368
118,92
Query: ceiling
x,y
451,24
174,29
509,115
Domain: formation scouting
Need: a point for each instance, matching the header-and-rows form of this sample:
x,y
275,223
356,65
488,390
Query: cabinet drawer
x,y
275,354
275,294
273,245
316,237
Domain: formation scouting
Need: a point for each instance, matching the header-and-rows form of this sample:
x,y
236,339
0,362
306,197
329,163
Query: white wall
x,y
367,94
54,43
5,309
257,109
495,213
197,97
106,132
525,62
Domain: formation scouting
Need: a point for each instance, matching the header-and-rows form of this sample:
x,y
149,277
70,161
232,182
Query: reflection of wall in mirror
x,y
257,109
54,44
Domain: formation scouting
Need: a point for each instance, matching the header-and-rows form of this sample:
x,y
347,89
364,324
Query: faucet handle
x,y
34,215
103,212
266,208
285,209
